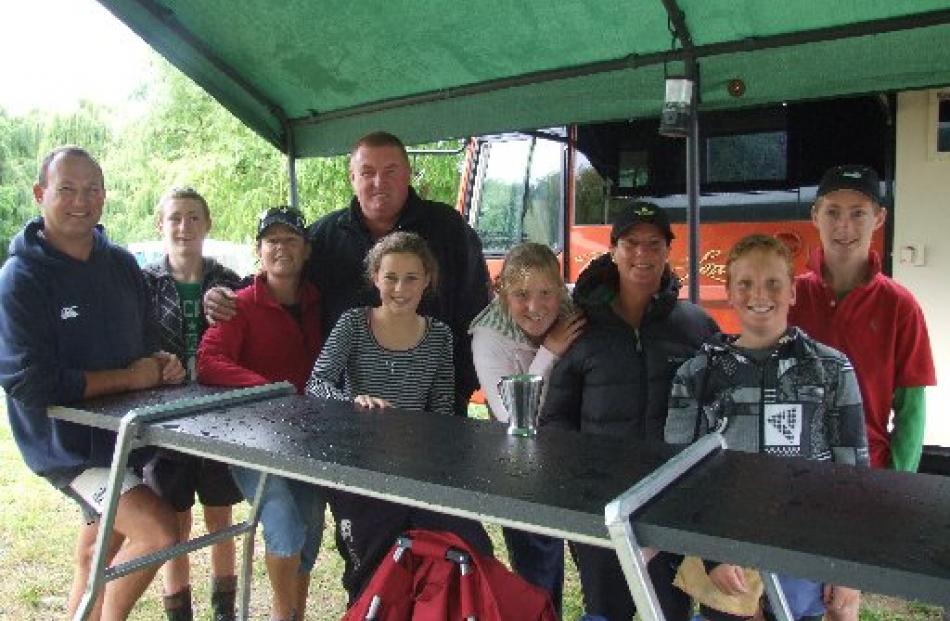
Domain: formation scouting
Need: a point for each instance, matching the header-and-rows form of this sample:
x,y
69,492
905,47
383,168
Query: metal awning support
x,y
290,148
292,180
679,29
692,183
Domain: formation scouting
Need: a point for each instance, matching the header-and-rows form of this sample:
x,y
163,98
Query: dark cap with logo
x,y
854,177
635,213
288,216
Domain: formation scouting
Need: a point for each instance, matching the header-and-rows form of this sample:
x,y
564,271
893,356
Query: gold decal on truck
x,y
708,265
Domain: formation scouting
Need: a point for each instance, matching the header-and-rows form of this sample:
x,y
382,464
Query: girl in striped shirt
x,y
389,355
382,357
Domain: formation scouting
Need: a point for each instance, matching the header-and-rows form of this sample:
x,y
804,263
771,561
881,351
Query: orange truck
x,y
759,171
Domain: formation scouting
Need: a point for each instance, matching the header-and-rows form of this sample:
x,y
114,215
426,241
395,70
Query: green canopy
x,y
312,75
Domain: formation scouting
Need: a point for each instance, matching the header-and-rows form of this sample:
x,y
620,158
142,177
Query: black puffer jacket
x,y
616,379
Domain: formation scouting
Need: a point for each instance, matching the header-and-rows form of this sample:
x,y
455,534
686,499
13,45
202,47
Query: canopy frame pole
x,y
692,182
292,180
680,31
290,147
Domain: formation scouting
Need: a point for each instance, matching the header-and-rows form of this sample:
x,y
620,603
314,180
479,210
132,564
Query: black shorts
x,y
177,477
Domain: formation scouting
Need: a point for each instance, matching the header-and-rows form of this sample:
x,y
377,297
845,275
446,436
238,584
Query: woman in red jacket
x,y
283,309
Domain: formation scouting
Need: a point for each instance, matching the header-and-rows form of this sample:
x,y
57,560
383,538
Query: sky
x,y
53,53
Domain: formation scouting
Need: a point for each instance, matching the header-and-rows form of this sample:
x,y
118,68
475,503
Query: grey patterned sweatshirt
x,y
802,400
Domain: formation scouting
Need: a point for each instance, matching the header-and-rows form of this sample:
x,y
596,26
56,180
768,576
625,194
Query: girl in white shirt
x,y
525,329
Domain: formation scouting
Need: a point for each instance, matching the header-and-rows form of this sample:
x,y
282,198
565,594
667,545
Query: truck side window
x,y
499,193
943,124
591,192
518,195
542,214
594,202
747,157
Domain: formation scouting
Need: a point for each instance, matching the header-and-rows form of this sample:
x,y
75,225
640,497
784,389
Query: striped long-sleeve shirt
x,y
353,363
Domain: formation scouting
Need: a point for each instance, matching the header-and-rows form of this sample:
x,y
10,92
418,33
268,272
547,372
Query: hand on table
x,y
172,370
368,401
144,373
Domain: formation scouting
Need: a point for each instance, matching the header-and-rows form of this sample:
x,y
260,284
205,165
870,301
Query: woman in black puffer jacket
x,y
616,377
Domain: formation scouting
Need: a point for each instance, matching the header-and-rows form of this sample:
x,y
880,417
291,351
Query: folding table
x,y
880,531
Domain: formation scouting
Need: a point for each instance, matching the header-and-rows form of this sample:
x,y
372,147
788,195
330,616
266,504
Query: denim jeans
x,y
805,597
291,512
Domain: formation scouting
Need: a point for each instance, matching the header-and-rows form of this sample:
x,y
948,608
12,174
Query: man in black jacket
x,y
385,202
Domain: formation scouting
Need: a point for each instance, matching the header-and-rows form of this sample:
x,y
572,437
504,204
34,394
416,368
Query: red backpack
x,y
436,576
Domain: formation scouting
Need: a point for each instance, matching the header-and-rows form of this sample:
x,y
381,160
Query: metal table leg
x,y
632,558
247,549
617,514
773,590
127,435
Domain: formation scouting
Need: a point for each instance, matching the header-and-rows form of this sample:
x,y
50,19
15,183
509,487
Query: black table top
x,y
882,531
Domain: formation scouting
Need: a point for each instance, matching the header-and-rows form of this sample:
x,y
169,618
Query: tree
x,y
184,137
24,140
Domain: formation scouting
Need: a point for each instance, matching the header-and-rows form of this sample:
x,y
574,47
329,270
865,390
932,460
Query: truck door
x,y
517,193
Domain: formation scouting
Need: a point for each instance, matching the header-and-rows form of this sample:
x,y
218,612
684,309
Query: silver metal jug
x,y
521,395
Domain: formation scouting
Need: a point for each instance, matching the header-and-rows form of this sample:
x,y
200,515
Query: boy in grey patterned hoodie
x,y
771,390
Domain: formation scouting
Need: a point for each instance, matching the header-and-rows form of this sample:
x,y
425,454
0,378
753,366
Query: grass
x,y
38,526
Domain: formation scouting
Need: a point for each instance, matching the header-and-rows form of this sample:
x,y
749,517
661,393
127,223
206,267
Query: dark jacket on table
x,y
341,241
615,379
166,305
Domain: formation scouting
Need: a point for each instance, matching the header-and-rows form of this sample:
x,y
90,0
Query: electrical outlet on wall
x,y
913,254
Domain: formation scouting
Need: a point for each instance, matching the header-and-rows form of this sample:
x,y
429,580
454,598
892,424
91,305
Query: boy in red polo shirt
x,y
847,303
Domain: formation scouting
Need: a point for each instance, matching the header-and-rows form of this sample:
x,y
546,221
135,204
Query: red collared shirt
x,y
881,328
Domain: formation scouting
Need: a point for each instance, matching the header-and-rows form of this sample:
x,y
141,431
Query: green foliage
x,y
588,195
184,137
23,141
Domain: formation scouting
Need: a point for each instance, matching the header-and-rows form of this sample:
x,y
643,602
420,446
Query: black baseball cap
x,y
854,177
637,212
288,216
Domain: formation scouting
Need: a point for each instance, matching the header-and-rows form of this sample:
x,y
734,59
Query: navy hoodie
x,y
60,317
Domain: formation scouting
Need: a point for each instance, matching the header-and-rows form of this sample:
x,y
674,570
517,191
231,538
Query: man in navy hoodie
x,y
74,325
